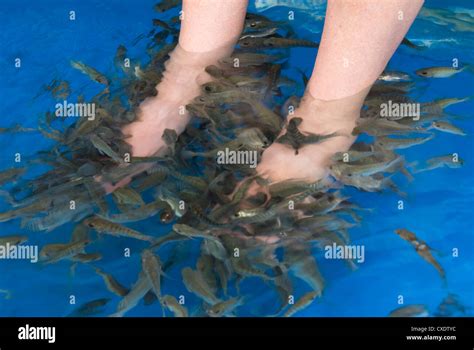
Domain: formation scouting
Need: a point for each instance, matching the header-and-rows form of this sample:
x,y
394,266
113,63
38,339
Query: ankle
x,y
185,72
325,117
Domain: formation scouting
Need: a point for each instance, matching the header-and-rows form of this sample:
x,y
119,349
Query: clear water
x,y
438,207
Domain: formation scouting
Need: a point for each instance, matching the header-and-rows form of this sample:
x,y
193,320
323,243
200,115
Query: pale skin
x,y
358,39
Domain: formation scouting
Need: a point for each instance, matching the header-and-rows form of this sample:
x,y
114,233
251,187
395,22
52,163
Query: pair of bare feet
x,y
181,83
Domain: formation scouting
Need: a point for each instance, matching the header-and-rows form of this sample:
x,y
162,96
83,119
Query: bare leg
x,y
209,32
359,37
210,29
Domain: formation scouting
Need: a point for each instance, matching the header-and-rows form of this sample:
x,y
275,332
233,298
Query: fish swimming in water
x,y
275,42
447,127
195,283
422,249
90,308
92,73
112,284
302,303
174,306
224,308
439,72
114,229
452,161
151,266
416,310
296,139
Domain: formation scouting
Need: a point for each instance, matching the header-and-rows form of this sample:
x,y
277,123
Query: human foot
x,y
279,162
184,73
180,84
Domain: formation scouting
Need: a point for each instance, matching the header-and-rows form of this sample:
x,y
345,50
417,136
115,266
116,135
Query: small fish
x,y
286,188
249,59
163,24
425,252
150,181
447,127
302,263
90,308
296,139
323,204
259,33
11,175
174,306
195,283
170,137
283,285
16,128
13,240
302,303
52,253
244,268
104,148
138,291
401,143
29,208
275,42
383,127
92,73
205,267
450,306
215,247
393,76
354,155
421,248
342,169
59,89
415,310
410,44
223,273
255,21
437,106
373,183
455,21
170,237
120,56
225,307
86,258
80,233
126,195
141,213
452,161
111,283
406,235
439,72
114,229
173,201
151,266
195,181
166,5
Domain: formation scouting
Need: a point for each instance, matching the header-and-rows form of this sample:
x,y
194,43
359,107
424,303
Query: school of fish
x,y
202,209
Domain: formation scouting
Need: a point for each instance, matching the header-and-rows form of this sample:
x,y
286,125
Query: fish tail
x,y
413,166
189,154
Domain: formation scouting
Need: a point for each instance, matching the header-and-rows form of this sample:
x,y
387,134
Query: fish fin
x,y
413,166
